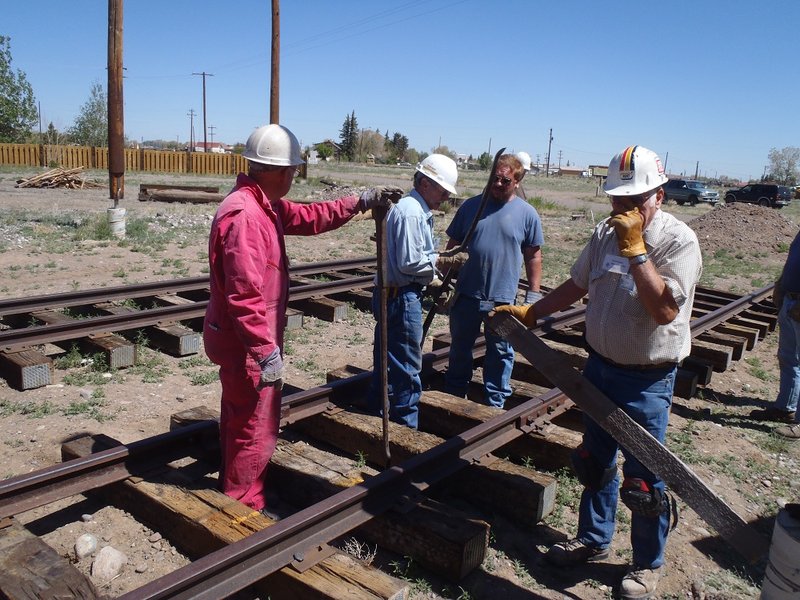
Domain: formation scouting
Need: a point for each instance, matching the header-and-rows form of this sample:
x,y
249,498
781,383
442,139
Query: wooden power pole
x,y
116,129
274,92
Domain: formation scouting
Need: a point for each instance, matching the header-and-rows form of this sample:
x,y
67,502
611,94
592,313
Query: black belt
x,y
650,367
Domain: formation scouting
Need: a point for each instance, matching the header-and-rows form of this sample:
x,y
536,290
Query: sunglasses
x,y
503,180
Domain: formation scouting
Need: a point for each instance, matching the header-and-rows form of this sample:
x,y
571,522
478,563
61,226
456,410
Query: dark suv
x,y
763,194
689,191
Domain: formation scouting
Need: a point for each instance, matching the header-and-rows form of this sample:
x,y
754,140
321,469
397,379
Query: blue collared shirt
x,y
411,253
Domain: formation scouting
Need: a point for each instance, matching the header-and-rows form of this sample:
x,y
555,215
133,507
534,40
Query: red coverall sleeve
x,y
310,219
248,261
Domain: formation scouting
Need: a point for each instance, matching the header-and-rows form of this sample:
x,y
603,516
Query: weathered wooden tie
x,y
199,520
496,485
33,570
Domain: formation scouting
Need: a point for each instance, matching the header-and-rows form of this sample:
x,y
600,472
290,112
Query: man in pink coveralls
x,y
245,318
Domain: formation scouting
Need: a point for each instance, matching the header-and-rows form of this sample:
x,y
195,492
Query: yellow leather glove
x,y
628,226
524,313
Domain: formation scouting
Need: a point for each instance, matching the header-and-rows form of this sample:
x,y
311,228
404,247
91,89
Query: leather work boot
x,y
574,552
640,584
789,432
772,414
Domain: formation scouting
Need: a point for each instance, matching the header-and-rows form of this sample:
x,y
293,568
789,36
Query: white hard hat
x,y
634,171
442,169
273,145
525,159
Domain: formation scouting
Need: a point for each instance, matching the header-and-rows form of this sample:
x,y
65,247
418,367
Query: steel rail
x,y
717,317
18,339
243,563
14,306
262,553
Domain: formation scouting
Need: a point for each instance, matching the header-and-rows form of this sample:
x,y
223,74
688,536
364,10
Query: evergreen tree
x,y
348,136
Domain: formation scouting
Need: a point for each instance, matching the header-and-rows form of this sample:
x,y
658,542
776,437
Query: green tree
x,y
349,136
91,126
18,112
784,165
397,147
485,160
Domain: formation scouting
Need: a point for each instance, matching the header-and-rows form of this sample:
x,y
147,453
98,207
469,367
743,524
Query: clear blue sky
x,y
714,81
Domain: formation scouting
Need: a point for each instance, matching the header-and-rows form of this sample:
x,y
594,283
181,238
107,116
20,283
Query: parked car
x,y
689,191
763,194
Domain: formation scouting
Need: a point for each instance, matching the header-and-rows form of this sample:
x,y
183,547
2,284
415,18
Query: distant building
x,y
216,147
572,172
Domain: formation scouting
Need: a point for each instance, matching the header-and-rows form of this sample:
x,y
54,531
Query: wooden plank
x,y
699,496
32,570
685,383
436,536
719,356
26,369
323,308
172,338
519,493
118,352
702,368
439,538
736,344
201,520
447,416
751,335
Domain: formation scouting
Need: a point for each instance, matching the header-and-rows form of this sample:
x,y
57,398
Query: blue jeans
x,y
788,358
646,396
403,340
465,325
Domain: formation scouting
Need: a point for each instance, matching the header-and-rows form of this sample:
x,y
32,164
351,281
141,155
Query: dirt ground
x,y
740,459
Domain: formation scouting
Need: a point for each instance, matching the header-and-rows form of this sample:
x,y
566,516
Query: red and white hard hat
x,y
273,145
442,169
634,171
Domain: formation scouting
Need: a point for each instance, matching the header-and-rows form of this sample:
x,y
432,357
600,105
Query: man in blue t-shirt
x,y
508,234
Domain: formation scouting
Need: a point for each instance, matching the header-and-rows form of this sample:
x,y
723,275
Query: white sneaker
x,y
640,584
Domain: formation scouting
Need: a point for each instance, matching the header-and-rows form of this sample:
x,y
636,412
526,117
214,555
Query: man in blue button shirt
x,y
787,299
412,262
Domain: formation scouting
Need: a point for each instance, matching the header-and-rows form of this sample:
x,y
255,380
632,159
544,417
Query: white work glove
x,y
532,297
452,261
271,370
379,196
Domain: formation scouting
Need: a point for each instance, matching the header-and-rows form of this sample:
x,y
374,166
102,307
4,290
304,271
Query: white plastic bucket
x,y
116,221
782,578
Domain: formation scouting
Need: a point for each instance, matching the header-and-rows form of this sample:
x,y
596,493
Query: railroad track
x,y
170,312
463,437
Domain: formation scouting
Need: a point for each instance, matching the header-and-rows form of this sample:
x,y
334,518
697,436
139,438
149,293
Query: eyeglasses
x,y
637,200
503,180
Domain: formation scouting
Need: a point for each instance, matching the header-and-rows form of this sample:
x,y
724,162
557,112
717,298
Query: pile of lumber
x,y
58,178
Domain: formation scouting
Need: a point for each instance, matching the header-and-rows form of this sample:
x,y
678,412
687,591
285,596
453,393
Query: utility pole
x,y
190,114
116,130
490,146
549,143
205,139
275,64
696,169
559,159
211,129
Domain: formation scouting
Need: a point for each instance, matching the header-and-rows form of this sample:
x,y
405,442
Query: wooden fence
x,y
92,157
